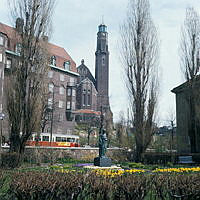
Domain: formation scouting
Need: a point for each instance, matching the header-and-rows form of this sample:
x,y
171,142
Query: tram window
x,y
64,139
70,139
77,140
45,138
37,138
58,139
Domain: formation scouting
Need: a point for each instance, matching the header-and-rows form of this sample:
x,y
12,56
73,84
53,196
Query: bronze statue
x,y
102,143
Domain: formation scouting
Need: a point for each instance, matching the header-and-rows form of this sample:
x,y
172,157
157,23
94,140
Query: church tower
x,y
102,68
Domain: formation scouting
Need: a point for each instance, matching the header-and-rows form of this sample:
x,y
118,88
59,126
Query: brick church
x,y
93,93
76,94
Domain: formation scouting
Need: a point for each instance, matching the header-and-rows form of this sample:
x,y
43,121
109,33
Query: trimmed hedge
x,y
164,158
87,185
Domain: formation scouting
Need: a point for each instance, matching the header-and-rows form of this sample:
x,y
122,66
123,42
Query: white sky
x,y
75,25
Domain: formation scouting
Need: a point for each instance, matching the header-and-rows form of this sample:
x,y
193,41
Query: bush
x,y
10,160
87,185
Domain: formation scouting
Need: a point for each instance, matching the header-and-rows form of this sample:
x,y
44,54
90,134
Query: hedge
x,y
87,185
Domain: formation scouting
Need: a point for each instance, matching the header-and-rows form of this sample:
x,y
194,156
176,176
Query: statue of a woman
x,y
102,143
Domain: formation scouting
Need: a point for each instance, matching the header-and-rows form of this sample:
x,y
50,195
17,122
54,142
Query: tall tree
x,y
27,77
189,56
139,52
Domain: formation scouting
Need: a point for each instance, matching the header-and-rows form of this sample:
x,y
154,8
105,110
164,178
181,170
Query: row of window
x,y
66,64
70,91
86,99
58,139
18,49
70,105
62,77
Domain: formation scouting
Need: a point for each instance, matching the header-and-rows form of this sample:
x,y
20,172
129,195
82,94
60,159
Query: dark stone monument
x,y
102,160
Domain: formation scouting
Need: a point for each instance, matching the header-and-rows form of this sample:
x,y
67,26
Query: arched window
x,y
53,60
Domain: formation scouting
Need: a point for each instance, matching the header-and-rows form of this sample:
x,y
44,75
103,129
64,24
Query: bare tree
x,y
189,56
26,81
139,44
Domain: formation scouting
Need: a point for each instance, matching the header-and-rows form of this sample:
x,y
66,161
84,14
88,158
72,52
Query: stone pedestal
x,y
102,162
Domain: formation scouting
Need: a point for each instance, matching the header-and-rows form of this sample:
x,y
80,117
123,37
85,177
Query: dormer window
x,y
53,60
1,40
18,48
67,65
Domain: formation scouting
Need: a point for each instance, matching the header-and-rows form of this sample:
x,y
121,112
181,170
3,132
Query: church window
x,y
84,99
67,65
53,60
89,100
103,61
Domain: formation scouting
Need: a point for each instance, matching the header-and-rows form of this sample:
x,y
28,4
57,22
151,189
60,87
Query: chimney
x,y
19,25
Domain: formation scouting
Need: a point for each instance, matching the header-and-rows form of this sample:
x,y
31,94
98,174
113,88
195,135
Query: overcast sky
x,y
75,25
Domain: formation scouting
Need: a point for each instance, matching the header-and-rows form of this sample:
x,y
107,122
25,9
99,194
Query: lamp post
x,y
1,118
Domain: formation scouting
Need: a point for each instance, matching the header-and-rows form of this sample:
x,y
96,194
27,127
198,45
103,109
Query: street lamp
x,y
2,115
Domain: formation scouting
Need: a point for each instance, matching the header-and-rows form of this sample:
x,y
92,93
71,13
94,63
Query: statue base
x,y
102,162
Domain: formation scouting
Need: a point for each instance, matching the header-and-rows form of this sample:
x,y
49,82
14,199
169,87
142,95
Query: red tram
x,y
58,140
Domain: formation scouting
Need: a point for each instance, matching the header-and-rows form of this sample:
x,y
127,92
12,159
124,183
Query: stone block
x,y
102,162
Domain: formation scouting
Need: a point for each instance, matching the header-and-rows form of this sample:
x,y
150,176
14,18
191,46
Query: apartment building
x,y
62,80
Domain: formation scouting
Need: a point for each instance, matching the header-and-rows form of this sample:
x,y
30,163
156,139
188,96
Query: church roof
x,y
84,72
87,111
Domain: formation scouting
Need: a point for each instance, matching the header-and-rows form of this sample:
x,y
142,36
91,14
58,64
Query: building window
x,y
73,105
69,92
50,103
51,86
8,63
60,117
1,57
103,61
71,80
18,48
67,65
89,103
68,105
1,40
84,99
61,90
60,104
62,78
73,92
53,60
50,74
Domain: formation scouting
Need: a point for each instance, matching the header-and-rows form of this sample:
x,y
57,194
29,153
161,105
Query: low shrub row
x,y
89,185
164,158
